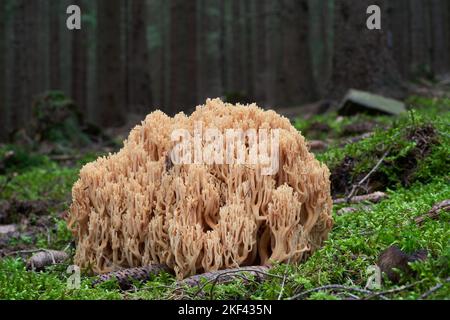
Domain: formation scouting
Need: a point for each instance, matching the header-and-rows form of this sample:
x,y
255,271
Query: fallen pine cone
x,y
394,258
45,258
125,277
434,212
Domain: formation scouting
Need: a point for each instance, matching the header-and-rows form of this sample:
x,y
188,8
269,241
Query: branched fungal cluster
x,y
130,209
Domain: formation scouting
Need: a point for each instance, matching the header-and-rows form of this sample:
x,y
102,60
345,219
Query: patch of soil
x,y
12,211
358,128
316,129
424,137
343,177
27,228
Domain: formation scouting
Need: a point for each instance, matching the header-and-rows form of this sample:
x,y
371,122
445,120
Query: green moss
x,y
14,158
18,284
48,182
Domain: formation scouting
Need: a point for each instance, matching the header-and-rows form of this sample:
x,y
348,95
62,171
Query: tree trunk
x,y
399,27
273,52
321,41
236,59
138,71
362,59
80,63
420,39
247,19
109,75
20,86
259,53
209,33
439,53
183,56
297,82
54,45
4,112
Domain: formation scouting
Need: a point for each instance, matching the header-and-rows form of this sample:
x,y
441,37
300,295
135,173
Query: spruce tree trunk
x,y
80,63
296,81
20,75
138,71
109,70
4,118
183,56
54,45
362,58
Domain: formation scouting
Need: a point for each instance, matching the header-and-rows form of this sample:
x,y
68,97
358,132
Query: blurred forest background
x,y
132,57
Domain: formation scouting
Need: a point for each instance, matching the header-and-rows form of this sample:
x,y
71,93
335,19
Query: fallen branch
x,y
434,289
360,183
434,212
372,197
45,258
23,251
395,290
223,276
126,277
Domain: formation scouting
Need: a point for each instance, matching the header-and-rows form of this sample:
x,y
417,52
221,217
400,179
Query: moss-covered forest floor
x,y
410,154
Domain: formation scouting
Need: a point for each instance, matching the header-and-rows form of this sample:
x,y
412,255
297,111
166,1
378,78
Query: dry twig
x,y
332,287
223,276
434,289
360,183
390,291
434,212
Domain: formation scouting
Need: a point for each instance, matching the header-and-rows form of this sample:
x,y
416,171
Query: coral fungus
x,y
131,208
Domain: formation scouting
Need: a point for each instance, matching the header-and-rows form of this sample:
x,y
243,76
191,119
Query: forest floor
x,y
407,157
